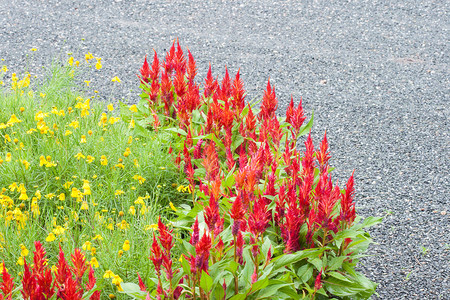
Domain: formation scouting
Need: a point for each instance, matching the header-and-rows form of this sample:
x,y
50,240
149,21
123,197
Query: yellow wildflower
x,y
25,163
132,124
127,152
88,56
75,124
86,245
62,197
108,274
94,262
8,157
84,206
132,210
98,65
23,250
103,160
58,230
120,253
116,79
172,206
79,156
98,237
87,82
116,280
51,237
68,184
126,245
70,61
90,159
119,192
123,225
110,107
20,261
83,139
133,108
90,132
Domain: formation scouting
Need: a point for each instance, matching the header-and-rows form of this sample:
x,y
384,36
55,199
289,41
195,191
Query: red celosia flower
x,y
169,63
154,73
238,94
192,69
225,90
195,233
318,282
79,265
239,248
145,70
258,220
7,284
70,290
347,213
202,251
326,196
295,117
142,286
250,121
29,284
211,213
307,161
166,92
156,256
180,61
323,155
179,84
211,161
165,237
210,84
269,103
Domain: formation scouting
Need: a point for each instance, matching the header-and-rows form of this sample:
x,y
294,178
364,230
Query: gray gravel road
x,y
376,74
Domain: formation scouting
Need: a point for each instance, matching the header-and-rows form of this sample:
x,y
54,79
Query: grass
x,y
75,175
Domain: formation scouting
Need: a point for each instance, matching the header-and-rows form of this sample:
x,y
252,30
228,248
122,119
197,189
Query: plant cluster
x,y
75,175
266,219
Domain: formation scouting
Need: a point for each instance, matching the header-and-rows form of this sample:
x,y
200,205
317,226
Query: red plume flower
x,y
347,205
323,155
269,103
7,284
145,70
202,250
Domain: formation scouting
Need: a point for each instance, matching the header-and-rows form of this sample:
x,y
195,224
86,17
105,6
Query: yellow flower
x,y
7,138
132,210
88,56
98,65
152,226
62,197
75,124
110,226
127,152
103,160
110,107
20,261
38,194
50,196
132,124
130,140
120,253
58,230
83,139
26,164
116,79
23,250
79,156
135,162
98,237
90,132
126,245
123,225
86,245
8,157
84,206
50,238
172,206
120,165
68,184
94,262
87,82
23,196
90,159
116,280
119,192
70,61
133,108
42,95
33,49
22,109
13,120
108,274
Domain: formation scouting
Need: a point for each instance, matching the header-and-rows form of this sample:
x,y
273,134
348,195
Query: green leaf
x,y
260,284
132,289
141,131
176,130
232,267
371,221
273,286
186,266
206,282
336,263
239,297
339,276
305,273
317,262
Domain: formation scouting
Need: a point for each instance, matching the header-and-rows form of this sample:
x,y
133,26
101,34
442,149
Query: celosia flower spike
x,y
145,70
269,103
347,205
7,284
323,155
202,252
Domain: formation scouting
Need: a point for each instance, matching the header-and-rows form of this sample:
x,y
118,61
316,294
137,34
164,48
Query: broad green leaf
x,y
260,284
133,289
239,297
185,265
370,221
290,290
305,273
272,287
338,276
336,263
176,130
317,262
232,267
206,282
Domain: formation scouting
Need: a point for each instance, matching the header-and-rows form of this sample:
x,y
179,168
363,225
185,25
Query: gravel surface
x,y
376,74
